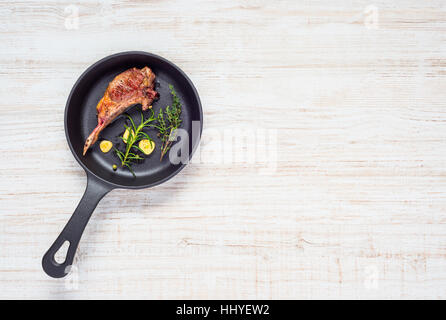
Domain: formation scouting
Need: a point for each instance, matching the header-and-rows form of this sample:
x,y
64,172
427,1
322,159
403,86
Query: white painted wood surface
x,y
356,207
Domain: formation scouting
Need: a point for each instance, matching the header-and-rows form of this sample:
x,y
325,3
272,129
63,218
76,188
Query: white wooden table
x,y
352,95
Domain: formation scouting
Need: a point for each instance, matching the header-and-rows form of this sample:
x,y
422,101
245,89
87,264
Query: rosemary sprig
x,y
136,134
168,122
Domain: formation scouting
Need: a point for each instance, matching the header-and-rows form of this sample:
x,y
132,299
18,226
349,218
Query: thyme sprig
x,y
167,123
136,134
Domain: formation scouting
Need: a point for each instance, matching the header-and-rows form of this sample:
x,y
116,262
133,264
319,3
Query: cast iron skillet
x,y
80,119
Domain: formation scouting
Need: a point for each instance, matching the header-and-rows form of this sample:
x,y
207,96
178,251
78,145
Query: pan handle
x,y
94,192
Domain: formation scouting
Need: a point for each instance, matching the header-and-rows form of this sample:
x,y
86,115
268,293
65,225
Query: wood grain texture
x,y
356,207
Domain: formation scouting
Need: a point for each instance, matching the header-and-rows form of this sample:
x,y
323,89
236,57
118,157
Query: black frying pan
x,y
81,119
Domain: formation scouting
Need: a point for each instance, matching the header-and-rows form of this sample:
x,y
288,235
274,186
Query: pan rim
x,y
85,73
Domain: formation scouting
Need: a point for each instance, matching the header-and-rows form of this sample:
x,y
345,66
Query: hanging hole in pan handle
x,y
61,255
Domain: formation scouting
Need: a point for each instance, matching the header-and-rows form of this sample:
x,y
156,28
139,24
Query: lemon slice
x,y
126,134
105,146
147,146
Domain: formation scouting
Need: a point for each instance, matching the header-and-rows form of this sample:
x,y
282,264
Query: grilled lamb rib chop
x,y
131,87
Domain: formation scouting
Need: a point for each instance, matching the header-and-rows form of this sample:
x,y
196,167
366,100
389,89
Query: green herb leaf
x,y
168,122
136,133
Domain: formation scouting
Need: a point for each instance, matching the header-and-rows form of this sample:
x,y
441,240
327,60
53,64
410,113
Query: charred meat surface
x,y
134,86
